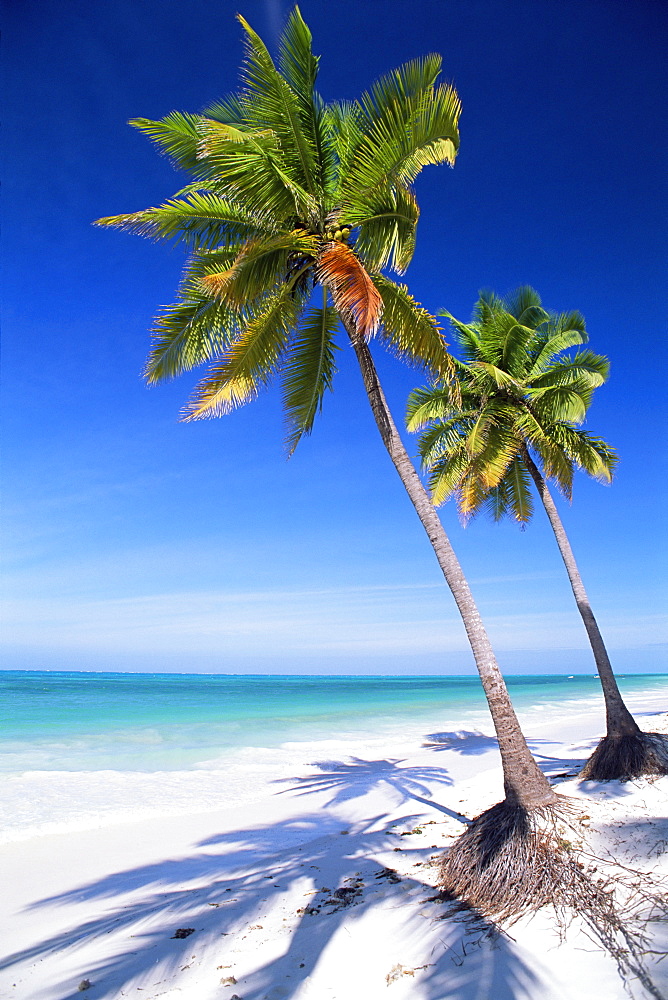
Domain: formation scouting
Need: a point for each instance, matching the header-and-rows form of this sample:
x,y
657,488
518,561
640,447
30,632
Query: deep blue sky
x,y
139,543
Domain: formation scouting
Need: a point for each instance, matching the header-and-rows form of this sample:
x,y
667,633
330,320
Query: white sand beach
x,y
321,887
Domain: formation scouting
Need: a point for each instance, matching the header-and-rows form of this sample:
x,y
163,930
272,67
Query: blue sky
x,y
135,542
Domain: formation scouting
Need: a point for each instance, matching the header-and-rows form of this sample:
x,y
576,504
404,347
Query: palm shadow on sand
x,y
225,887
474,743
357,777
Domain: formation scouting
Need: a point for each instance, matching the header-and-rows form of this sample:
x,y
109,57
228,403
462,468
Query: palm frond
x,y
249,165
187,334
299,67
353,292
410,331
296,61
501,447
260,267
228,110
592,454
269,98
203,219
309,372
410,123
524,302
557,464
176,135
500,379
443,438
446,475
194,329
387,219
560,403
343,123
516,488
248,363
485,420
552,344
426,404
585,367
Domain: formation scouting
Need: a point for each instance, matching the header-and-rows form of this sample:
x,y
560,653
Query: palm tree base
x,y
622,758
512,861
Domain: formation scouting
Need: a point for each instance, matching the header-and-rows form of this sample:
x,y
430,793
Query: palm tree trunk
x,y
619,720
524,782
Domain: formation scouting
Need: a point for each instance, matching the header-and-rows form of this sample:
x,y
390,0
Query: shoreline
x,y
104,904
39,802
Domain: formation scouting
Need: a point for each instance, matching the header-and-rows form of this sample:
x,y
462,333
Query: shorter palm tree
x,y
515,407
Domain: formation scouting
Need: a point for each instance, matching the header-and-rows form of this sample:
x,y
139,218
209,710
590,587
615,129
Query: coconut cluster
x,y
340,235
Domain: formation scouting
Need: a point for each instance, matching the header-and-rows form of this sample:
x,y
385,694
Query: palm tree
x,y
518,405
295,211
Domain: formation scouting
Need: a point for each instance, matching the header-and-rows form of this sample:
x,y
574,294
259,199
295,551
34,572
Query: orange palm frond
x,y
350,286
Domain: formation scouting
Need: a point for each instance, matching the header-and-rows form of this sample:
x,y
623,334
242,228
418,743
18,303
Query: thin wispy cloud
x,y
377,620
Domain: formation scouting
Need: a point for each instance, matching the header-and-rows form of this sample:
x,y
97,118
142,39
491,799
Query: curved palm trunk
x,y
619,720
524,782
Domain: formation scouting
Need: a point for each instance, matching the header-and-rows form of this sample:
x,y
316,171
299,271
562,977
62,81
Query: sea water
x,y
80,749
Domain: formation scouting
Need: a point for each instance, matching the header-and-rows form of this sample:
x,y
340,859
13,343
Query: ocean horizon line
x,y
296,674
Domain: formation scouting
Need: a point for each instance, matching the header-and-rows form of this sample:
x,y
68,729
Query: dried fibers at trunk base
x,y
621,758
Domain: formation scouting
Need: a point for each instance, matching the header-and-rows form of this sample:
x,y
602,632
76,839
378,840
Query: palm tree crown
x,y
289,193
516,395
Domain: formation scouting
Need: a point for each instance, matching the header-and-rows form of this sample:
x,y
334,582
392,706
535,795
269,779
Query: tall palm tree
x,y
517,408
295,211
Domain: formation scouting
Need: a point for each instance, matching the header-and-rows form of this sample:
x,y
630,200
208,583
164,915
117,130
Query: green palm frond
x,y
427,404
550,345
387,219
410,330
584,367
443,438
261,266
592,454
299,67
200,218
407,124
557,464
567,403
176,135
447,474
514,355
297,64
269,97
516,490
194,329
496,415
228,110
496,503
343,122
250,167
309,372
525,305
186,334
494,460
471,494
248,363
495,374
466,336
402,85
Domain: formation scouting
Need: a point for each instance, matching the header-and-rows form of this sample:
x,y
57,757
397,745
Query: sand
x,y
322,888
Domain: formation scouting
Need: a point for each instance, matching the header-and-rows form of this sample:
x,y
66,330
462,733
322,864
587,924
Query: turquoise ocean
x,y
78,748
